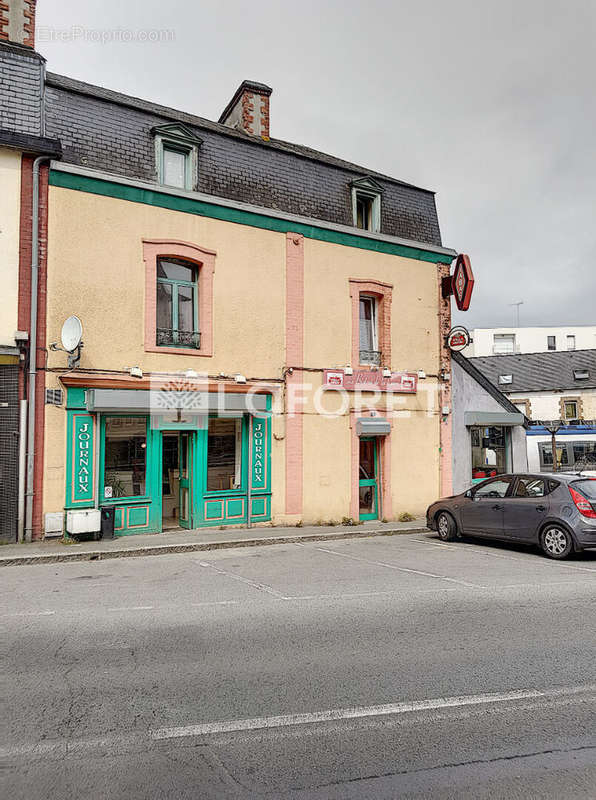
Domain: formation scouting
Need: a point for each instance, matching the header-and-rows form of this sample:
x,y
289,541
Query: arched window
x,y
177,304
178,297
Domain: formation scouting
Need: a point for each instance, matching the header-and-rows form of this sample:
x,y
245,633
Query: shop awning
x,y
372,426
487,418
159,402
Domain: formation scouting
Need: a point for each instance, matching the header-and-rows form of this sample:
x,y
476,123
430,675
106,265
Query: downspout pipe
x,y
31,393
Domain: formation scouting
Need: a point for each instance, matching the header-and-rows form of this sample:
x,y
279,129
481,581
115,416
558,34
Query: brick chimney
x,y
248,110
17,22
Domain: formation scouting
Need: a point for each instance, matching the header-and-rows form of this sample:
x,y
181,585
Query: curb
x,y
189,547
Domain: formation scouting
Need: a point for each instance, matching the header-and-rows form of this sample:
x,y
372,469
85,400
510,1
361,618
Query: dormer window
x,y
505,379
176,156
366,204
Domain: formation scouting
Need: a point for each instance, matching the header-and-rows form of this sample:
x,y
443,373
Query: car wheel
x,y
556,542
446,527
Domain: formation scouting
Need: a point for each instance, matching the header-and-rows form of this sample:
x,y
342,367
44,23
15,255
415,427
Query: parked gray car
x,y
556,512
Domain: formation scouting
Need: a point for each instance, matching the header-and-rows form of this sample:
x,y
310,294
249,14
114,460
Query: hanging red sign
x,y
458,338
462,282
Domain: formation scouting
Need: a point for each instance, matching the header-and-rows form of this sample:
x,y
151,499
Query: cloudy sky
x,y
491,103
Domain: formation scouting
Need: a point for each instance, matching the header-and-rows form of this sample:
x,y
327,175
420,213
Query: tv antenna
x,y
517,305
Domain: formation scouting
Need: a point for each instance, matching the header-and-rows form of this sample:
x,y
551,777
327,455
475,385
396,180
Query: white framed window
x,y
175,166
503,343
368,330
176,156
571,342
551,342
366,204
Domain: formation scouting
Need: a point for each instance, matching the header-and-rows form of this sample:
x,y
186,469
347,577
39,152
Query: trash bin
x,y
108,514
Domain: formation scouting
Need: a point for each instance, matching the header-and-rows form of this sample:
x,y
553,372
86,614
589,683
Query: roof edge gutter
x,y
75,169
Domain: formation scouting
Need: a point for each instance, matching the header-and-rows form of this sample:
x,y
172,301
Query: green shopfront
x,y
200,459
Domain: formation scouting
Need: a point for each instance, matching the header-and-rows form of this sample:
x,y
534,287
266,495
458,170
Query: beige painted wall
x,y
10,204
328,307
96,270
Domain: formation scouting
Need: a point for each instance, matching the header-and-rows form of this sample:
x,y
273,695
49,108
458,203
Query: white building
x,y
547,387
504,341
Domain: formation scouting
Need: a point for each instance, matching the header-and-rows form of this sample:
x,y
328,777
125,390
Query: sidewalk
x,y
155,544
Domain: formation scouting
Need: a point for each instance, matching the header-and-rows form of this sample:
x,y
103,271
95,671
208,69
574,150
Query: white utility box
x,y
83,521
54,524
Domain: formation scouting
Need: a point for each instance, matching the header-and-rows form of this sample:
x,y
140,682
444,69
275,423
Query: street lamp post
x,y
553,427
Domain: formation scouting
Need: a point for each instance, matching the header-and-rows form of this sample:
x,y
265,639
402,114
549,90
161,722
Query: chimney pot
x,y
248,110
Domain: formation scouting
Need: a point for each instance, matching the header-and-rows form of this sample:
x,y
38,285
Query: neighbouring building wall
x,y
547,405
468,395
531,340
10,181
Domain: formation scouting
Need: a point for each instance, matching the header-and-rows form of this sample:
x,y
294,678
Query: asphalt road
x,y
378,668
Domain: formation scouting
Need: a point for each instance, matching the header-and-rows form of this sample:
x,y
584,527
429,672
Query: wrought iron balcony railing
x,y
370,357
166,337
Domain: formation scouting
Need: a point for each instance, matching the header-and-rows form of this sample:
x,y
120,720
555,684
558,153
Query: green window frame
x,y
174,337
242,488
114,499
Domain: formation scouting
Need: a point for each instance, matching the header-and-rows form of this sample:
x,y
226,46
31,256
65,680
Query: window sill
x,y
182,351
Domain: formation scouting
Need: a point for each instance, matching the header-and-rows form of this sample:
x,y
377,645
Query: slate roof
x,y
109,95
482,380
540,372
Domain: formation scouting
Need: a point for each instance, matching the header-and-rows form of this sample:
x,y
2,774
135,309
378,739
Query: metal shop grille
x,y
9,451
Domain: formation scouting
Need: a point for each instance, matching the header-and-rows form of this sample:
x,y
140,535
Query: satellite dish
x,y
72,333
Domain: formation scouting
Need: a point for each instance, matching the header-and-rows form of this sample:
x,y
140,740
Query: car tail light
x,y
583,505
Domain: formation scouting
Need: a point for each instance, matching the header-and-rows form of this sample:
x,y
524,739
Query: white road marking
x,y
356,595
31,614
524,560
403,569
335,714
215,603
263,587
131,608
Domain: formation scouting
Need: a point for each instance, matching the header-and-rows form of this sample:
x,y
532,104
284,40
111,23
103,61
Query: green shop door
x,y
185,461
368,481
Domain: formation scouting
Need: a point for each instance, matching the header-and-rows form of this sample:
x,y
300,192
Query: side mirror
x,y
469,493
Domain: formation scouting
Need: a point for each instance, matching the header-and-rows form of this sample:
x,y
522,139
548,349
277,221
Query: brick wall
x,y
20,90
108,136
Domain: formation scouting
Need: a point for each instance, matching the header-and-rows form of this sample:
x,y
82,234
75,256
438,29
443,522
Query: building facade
x,y
546,339
489,431
551,387
262,324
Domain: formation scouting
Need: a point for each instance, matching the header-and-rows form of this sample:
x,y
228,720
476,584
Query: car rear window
x,y
587,488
